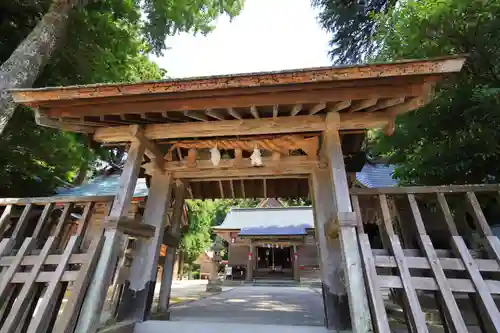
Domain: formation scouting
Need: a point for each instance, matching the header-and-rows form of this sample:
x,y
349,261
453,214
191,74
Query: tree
x,y
352,25
107,44
454,139
162,18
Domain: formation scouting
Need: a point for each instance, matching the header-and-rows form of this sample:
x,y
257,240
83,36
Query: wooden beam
x,y
390,127
221,189
243,194
411,104
242,101
232,188
340,106
138,292
289,165
358,301
385,103
254,111
217,114
234,113
362,104
152,150
275,110
196,115
317,108
217,128
295,110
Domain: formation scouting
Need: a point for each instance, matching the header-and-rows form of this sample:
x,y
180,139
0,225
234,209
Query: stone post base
x,y
214,285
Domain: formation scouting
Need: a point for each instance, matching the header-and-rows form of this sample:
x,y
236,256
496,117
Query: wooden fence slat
x,y
40,321
453,264
62,219
379,316
6,277
450,306
52,259
489,310
357,210
23,299
68,318
4,218
416,253
43,218
44,277
429,284
485,299
416,315
84,222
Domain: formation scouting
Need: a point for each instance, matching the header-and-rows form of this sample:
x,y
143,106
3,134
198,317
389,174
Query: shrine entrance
x,y
274,262
291,134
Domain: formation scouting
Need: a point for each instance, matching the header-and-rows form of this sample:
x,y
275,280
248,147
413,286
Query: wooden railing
x,y
45,264
430,259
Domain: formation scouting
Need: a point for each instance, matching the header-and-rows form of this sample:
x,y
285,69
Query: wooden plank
x,y
429,284
416,316
380,321
43,277
66,321
23,299
21,223
353,271
62,219
221,189
295,110
416,253
48,304
96,294
232,188
84,222
450,306
47,210
316,108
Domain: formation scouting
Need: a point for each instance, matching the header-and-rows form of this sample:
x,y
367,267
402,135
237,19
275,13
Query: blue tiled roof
x,y
376,175
104,185
272,230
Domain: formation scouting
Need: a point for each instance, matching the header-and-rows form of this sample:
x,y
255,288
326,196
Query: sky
x,y
268,35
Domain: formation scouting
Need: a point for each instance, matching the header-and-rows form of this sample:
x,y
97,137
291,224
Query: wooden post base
x,y
337,314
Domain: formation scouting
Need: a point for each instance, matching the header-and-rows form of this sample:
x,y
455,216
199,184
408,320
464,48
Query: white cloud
x,y
268,35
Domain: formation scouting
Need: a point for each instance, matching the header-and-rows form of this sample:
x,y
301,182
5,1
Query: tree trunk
x,y
28,59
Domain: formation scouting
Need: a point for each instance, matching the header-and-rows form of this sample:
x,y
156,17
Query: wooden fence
x,y
461,281
44,267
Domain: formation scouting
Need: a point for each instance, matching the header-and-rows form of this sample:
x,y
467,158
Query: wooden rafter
x,y
196,115
385,103
275,110
234,113
339,106
362,104
254,111
296,109
217,114
317,108
152,150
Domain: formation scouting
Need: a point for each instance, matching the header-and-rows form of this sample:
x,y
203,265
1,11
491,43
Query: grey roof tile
x,y
104,185
376,175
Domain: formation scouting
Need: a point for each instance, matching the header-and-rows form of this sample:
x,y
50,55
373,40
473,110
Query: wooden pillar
x,y
346,220
335,298
139,288
90,314
250,259
295,258
175,232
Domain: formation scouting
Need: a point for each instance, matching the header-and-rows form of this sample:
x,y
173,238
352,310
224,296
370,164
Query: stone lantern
x,y
214,283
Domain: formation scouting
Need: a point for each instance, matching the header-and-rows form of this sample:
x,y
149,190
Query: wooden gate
x,y
440,256
44,266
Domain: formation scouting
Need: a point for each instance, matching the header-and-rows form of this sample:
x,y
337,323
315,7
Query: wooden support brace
x,y
130,226
152,150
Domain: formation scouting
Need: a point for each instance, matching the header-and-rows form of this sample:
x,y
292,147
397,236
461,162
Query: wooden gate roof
x,y
366,96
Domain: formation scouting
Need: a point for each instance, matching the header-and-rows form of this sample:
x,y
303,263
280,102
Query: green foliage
x,y
454,139
352,25
107,41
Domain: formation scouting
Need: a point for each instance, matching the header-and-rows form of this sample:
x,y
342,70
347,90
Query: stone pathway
x,y
296,306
